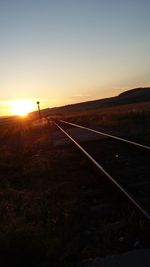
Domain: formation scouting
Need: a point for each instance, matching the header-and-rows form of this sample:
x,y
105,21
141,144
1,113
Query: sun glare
x,y
22,107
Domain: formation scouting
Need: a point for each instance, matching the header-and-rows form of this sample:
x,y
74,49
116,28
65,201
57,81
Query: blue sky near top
x,y
67,51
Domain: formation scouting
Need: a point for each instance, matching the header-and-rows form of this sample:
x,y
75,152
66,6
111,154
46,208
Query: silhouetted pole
x,y
38,103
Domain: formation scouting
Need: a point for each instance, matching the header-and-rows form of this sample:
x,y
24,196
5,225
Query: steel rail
x,y
101,169
108,135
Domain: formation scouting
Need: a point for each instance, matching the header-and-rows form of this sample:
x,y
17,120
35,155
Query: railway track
x,y
125,163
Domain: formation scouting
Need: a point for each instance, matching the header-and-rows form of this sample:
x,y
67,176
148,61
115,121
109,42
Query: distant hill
x,y
131,96
136,95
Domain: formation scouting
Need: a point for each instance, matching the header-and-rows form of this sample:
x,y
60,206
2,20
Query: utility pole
x,y
38,103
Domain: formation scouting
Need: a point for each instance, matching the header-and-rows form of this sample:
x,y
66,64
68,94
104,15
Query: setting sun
x,y
22,107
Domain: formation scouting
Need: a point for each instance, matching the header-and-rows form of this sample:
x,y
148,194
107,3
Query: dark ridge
x,y
136,95
137,92
131,96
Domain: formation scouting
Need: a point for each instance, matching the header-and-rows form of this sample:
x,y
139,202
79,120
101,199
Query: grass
x,y
45,199
36,207
131,119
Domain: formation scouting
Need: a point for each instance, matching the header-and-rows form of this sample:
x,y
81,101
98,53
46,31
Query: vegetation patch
x,y
53,203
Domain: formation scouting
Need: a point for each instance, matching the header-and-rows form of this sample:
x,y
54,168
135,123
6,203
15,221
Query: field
x,y
45,198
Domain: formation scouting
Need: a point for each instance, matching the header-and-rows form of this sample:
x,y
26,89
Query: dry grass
x,y
132,119
38,212
42,192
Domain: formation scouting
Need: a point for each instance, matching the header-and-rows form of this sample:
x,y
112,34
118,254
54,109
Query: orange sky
x,y
62,52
